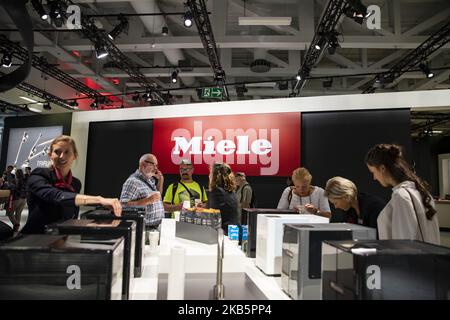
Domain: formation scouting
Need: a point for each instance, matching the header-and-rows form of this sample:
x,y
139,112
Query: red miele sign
x,y
259,145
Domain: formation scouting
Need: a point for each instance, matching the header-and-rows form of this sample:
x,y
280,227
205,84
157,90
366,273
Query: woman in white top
x,y
410,213
303,196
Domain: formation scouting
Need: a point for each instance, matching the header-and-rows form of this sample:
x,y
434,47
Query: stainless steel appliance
x,y
385,270
57,267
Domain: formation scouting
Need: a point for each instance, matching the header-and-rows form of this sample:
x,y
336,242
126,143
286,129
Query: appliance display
x,y
249,217
105,231
302,255
385,270
55,267
136,214
270,238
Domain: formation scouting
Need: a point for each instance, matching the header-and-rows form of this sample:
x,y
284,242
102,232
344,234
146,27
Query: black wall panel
x,y
335,144
113,153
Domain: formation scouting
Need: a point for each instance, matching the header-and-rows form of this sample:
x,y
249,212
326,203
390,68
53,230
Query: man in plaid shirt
x,y
144,188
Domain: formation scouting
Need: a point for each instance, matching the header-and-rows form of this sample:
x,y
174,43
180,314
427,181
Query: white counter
x,y
200,258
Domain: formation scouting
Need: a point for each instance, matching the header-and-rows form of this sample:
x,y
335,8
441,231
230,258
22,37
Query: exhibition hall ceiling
x,y
259,58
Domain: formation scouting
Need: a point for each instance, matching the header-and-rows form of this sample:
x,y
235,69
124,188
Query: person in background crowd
x,y
222,195
359,208
244,193
144,188
9,175
303,196
184,190
19,200
410,213
26,176
27,172
54,194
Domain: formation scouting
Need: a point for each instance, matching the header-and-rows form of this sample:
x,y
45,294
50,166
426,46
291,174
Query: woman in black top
x,y
222,195
359,208
53,193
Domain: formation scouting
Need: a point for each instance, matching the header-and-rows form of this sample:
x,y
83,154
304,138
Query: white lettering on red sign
x,y
237,147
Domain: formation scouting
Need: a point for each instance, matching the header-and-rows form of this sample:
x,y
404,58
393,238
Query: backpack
x,y
175,187
253,203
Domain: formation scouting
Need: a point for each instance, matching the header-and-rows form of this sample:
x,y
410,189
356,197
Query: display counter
x,y
200,265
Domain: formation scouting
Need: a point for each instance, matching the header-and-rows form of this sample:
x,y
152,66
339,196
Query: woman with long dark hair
x,y
222,196
410,213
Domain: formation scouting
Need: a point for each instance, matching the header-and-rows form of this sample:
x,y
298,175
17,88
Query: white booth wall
x,y
418,100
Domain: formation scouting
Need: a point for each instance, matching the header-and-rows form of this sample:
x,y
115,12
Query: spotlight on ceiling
x,y
147,96
333,42
47,106
187,17
165,31
121,27
174,76
356,11
7,59
321,43
56,13
426,70
39,8
74,103
100,51
94,104
298,76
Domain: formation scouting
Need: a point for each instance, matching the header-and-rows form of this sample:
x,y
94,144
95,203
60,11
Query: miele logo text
x,y
234,146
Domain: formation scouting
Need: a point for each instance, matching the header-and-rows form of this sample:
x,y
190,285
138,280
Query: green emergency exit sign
x,y
208,93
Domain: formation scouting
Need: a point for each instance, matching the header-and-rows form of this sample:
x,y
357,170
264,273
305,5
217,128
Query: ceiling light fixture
x,y
100,51
174,76
28,99
187,17
426,70
39,8
357,11
121,27
7,59
265,21
34,109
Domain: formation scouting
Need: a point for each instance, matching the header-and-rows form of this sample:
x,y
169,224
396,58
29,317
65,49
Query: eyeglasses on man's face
x,y
151,162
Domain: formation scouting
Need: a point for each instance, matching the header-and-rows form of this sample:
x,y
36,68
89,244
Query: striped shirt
x,y
139,187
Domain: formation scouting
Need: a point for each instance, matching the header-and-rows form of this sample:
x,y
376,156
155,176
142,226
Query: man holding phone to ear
x,y
144,188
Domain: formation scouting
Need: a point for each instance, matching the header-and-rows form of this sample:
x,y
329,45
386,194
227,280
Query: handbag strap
x,y
415,211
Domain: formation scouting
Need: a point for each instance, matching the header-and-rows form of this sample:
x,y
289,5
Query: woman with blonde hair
x,y
303,196
359,208
54,194
222,195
